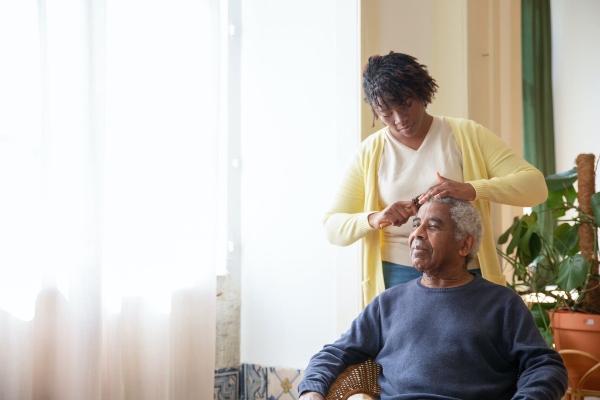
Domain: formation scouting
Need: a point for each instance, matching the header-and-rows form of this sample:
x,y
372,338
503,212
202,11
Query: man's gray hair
x,y
467,220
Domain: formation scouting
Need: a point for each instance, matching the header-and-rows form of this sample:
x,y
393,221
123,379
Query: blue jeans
x,y
395,274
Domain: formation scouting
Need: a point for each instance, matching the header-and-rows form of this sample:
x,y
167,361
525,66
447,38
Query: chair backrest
x,y
358,378
584,373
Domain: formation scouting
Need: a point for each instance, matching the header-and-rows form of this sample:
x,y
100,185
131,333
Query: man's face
x,y
432,244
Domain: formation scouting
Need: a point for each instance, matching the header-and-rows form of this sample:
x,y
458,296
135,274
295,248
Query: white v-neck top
x,y
405,173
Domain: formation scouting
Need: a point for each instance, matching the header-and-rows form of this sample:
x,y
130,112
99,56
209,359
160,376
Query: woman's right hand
x,y
396,214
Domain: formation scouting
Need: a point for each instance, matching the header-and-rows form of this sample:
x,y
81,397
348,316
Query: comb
x,y
415,200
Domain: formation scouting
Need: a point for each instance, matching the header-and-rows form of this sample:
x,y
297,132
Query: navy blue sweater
x,y
467,342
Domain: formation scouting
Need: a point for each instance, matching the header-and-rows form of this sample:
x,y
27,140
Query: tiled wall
x,y
254,382
227,385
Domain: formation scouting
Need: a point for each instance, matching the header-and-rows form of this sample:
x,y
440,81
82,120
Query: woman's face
x,y
405,121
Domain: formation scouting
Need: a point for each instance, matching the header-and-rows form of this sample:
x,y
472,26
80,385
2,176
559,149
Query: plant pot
x,y
581,332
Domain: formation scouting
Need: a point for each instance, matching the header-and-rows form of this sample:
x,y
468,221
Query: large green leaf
x,y
562,180
540,316
515,239
510,231
596,207
504,237
560,200
556,199
530,243
535,245
530,219
566,238
521,241
572,272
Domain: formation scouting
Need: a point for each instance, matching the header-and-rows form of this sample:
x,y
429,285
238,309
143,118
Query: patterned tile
x,y
254,382
283,383
226,384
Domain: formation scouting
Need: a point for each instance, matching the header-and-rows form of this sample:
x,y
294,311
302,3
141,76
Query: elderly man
x,y
448,335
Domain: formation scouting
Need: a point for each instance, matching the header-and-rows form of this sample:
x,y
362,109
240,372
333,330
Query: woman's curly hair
x,y
392,79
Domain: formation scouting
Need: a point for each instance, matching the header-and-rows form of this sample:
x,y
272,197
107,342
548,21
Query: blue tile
x,y
226,385
283,383
254,382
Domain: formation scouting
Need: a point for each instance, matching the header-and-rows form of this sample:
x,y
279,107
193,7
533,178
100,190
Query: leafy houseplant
x,y
558,270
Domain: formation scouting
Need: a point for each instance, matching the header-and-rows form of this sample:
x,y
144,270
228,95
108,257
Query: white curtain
x,y
109,116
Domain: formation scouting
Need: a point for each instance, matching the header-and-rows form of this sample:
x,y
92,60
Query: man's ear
x,y
466,246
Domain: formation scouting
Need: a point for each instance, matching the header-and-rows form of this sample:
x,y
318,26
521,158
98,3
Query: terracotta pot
x,y
581,332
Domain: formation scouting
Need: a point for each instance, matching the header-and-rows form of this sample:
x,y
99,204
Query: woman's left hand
x,y
446,187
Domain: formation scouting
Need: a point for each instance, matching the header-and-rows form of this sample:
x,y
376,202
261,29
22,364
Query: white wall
x,y
300,124
299,121
575,80
433,31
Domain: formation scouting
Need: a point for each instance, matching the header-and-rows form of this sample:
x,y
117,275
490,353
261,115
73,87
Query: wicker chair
x,y
356,379
362,379
578,388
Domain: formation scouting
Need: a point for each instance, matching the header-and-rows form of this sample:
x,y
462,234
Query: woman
x,y
417,156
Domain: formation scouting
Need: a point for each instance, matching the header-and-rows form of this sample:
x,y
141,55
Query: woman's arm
x,y
346,221
494,170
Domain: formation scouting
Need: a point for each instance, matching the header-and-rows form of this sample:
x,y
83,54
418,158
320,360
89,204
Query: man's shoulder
x,y
400,290
494,289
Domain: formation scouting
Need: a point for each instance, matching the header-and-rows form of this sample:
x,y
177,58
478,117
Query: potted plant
x,y
557,272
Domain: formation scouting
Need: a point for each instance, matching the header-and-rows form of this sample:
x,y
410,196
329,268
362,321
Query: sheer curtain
x,y
109,115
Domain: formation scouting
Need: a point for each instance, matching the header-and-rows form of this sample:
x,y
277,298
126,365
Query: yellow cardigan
x,y
489,165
